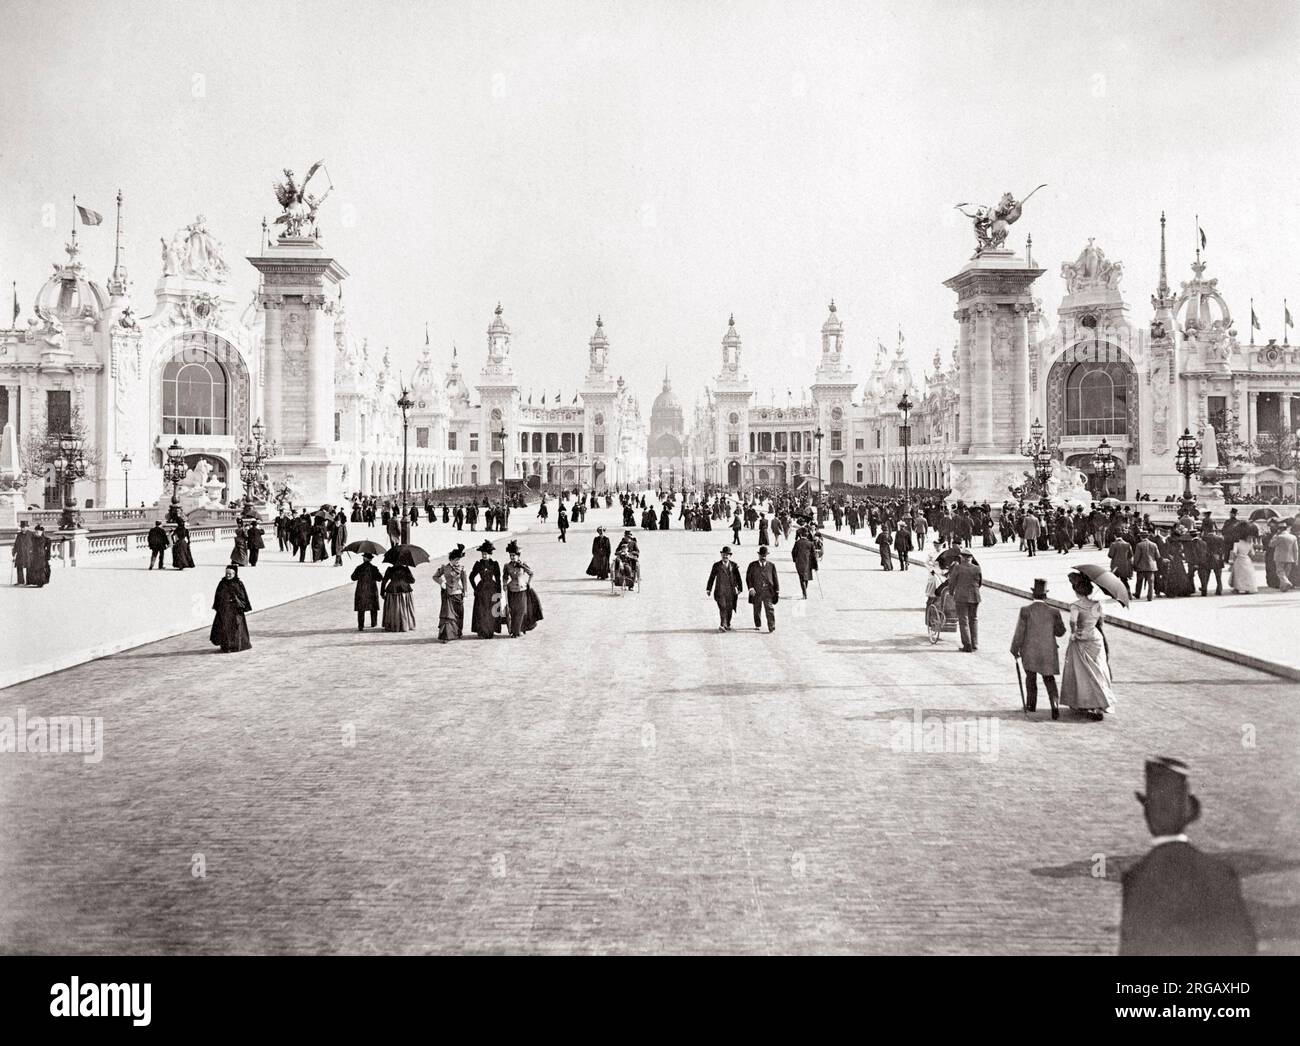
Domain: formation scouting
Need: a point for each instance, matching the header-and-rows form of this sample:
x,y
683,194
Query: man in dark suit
x,y
1212,560
158,542
1034,643
256,543
964,581
1146,561
764,589
24,549
1177,900
804,555
725,588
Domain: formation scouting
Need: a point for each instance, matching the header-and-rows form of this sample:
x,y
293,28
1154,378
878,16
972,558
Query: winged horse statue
x,y
993,223
299,205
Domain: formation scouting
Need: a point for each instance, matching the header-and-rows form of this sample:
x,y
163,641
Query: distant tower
x,y
498,394
731,396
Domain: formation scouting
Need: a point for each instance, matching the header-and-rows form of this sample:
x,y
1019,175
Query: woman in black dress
x,y
485,579
181,555
229,628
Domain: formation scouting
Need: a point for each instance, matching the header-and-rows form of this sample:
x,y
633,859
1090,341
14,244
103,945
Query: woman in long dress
x,y
452,580
239,555
317,540
229,628
599,565
338,537
181,554
485,579
399,603
1085,681
1178,578
1243,570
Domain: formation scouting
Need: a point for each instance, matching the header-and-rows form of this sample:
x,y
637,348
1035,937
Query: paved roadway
x,y
625,779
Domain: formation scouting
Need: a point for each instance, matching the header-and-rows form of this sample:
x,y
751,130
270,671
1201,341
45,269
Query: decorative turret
x,y
69,295
731,353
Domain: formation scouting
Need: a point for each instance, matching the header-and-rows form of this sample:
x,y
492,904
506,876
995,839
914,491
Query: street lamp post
x,y
905,438
1187,460
69,466
404,404
819,435
1040,454
174,470
126,480
253,461
1103,461
501,520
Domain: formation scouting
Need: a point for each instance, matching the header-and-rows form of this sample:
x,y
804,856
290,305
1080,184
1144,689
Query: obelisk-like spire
x,y
117,282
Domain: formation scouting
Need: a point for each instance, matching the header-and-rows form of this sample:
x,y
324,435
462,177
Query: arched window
x,y
1096,400
194,395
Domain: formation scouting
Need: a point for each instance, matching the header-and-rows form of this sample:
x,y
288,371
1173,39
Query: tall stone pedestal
x,y
299,289
994,300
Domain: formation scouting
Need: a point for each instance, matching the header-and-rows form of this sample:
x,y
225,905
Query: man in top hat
x,y
158,541
517,576
23,551
725,587
964,581
764,589
1034,643
804,555
1177,900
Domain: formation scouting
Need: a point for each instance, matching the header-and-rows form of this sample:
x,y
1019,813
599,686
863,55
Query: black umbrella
x,y
365,548
407,555
1263,513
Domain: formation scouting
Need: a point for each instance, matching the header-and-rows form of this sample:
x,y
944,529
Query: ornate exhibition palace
x,y
199,370
1094,375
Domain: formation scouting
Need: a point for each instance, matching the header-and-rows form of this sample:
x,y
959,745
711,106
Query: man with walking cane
x,y
1034,643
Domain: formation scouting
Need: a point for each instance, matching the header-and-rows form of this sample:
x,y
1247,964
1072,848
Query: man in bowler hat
x,y
1177,900
764,589
725,588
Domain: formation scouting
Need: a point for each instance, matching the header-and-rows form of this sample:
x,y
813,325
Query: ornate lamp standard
x,y
69,466
819,435
174,469
501,435
1187,460
1103,462
1040,454
126,480
252,464
404,404
905,438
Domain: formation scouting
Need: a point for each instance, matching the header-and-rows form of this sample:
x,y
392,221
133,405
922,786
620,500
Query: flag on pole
x,y
89,217
575,397
543,399
1254,320
1287,311
15,301
1202,232
426,326
900,335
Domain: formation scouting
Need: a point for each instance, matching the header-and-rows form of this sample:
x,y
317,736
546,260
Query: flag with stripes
x,y
89,217
1286,310
1254,320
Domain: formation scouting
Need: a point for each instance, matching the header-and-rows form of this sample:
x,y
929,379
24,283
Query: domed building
x,y
667,456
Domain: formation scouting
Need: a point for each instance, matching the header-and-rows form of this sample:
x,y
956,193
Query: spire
x,y
1029,249
1163,299
599,322
1163,287
117,282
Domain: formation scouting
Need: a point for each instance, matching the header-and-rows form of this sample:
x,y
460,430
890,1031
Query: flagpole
x,y
1198,244
1252,318
1286,321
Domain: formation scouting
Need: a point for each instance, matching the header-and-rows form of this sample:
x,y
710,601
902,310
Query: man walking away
x,y
1034,643
1146,561
158,542
964,581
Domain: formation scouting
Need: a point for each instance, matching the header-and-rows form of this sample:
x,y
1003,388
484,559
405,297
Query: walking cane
x,y
1021,680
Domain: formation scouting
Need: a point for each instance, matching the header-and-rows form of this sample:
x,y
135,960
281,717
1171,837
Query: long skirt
x,y
399,611
230,632
1243,576
451,617
599,566
485,621
533,613
1085,679
181,557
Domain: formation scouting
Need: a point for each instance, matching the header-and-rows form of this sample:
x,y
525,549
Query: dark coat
x,y
229,628
599,565
804,555
255,537
158,539
964,581
1179,901
1121,558
761,578
366,596
1035,639
724,584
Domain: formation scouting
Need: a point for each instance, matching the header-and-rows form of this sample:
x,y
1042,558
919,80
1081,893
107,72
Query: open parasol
x,y
1104,580
365,548
407,555
1263,513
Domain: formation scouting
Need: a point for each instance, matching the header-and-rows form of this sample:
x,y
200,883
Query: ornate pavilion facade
x,y
200,368
1093,375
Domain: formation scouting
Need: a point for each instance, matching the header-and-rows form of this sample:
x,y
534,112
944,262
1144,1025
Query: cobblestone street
x,y
625,779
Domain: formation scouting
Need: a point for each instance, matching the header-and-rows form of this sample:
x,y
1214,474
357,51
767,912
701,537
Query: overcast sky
x,y
661,163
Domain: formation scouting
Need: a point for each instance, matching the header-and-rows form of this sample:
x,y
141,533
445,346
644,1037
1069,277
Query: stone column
x,y
982,379
320,374
1020,391
272,381
1252,416
962,316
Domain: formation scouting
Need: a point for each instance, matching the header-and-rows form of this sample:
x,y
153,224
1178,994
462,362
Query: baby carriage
x,y
625,574
940,610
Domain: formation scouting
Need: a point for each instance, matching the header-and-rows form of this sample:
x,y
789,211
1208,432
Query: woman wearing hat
x,y
485,580
599,565
182,557
399,601
451,579
518,577
1085,681
229,627
38,559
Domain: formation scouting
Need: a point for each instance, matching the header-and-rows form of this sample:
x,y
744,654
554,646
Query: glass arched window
x,y
195,396
1096,400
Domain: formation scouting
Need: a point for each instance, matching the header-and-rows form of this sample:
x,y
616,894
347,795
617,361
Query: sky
x,y
664,164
